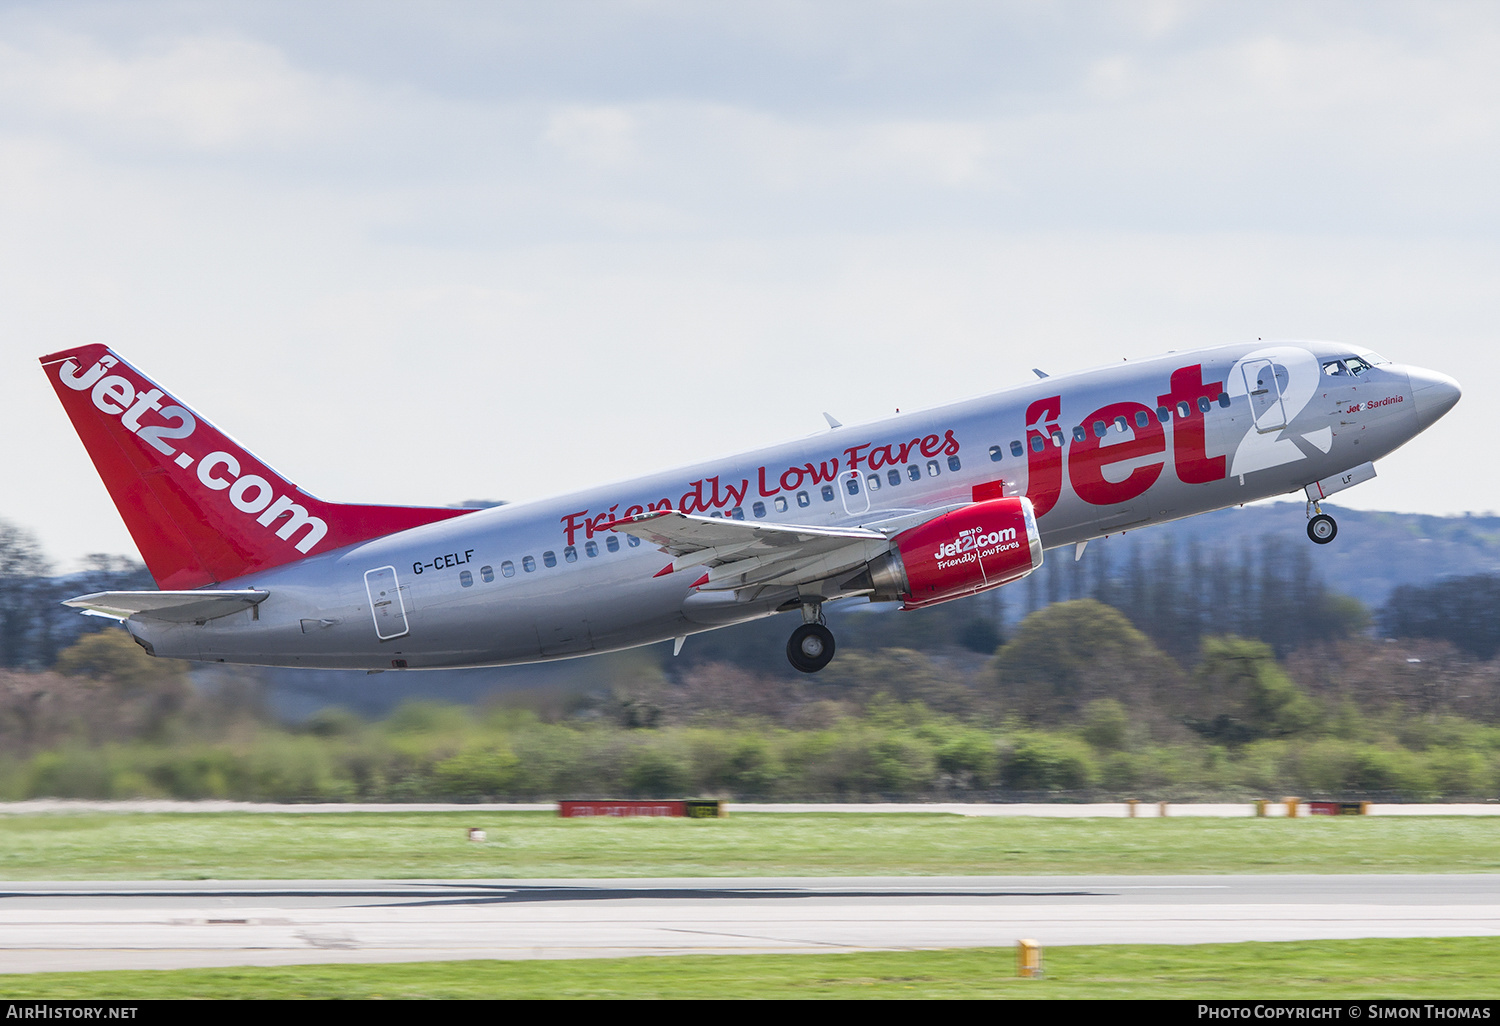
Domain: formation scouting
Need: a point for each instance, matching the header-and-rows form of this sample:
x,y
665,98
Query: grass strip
x,y
228,846
1449,969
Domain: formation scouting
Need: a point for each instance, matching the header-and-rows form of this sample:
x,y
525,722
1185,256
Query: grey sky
x,y
428,252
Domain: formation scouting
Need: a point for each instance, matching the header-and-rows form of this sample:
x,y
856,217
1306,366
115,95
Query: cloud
x,y
212,92
596,135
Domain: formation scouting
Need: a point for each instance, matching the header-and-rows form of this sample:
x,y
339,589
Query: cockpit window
x,y
1356,365
1333,369
1375,359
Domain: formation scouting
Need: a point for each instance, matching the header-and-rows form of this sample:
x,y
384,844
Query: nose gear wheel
x,y
1322,529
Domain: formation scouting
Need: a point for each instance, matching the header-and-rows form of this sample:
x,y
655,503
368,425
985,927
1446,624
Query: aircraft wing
x,y
742,555
172,606
684,533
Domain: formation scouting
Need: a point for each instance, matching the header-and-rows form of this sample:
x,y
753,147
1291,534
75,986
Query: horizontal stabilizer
x,y
172,606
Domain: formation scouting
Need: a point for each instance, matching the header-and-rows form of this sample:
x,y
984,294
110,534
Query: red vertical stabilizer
x,y
200,507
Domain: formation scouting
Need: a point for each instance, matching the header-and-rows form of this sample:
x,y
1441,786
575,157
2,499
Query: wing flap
x,y
171,606
685,534
786,572
742,555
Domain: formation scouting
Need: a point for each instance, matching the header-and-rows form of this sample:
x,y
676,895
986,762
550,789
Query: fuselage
x,y
1097,452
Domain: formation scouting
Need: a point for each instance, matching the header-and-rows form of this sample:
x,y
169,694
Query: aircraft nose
x,y
1433,394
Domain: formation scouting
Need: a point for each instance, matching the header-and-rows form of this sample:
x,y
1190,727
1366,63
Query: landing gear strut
x,y
811,645
1321,528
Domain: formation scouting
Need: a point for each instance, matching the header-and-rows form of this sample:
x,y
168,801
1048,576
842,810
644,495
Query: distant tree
x,y
34,624
106,689
1037,762
480,772
1103,586
1263,591
980,635
1416,678
1462,610
57,626
1105,724
113,657
1070,654
23,582
901,673
1242,694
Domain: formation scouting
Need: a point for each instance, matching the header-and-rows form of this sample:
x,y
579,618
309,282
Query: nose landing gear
x,y
811,645
1321,527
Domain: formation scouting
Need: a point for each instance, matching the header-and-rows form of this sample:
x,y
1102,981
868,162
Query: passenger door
x,y
387,605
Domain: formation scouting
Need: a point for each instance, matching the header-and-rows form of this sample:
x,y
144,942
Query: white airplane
x,y
920,508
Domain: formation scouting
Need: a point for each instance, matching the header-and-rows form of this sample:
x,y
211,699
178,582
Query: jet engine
x,y
969,550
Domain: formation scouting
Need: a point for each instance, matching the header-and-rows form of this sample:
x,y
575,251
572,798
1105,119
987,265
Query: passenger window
x,y
487,573
570,554
827,493
549,557
1224,400
914,472
738,513
851,485
1037,444
803,499
893,476
1121,424
996,454
759,509
1057,438
591,549
953,463
466,579
632,541
1079,434
1142,418
508,569
716,514
1203,404
874,480
932,468
1016,448
1184,410
781,503
1163,414
528,564
612,542
1100,429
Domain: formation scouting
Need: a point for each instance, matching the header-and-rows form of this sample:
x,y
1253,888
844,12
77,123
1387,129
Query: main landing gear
x,y
1321,527
811,645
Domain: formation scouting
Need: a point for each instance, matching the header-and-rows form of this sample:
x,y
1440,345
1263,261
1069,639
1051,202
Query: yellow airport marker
x,y
1028,959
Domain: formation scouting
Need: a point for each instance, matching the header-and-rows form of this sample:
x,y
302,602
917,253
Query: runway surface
x,y
155,925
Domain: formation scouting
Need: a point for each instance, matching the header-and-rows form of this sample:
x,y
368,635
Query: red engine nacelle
x,y
969,550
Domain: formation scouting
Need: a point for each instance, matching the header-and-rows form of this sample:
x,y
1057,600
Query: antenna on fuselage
x,y
1039,373
831,422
